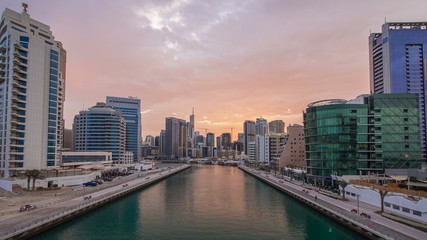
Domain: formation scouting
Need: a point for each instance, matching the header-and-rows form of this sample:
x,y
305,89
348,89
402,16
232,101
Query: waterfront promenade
x,y
379,225
26,224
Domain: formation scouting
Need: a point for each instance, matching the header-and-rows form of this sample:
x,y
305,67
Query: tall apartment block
x,y
398,64
130,109
293,154
176,138
276,126
32,91
100,129
249,134
269,148
365,135
261,126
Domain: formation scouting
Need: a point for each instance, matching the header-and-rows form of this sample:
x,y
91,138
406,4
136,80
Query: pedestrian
x,y
315,197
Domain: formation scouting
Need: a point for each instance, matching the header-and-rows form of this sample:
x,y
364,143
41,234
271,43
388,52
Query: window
x,y
405,209
405,110
416,213
396,207
406,146
406,137
406,128
405,119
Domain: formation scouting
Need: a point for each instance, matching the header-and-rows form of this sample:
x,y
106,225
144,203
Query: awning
x,y
399,178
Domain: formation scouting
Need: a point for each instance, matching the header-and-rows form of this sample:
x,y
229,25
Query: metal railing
x,y
362,222
19,229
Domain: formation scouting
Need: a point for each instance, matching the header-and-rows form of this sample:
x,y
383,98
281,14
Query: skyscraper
x,y
131,112
398,64
162,142
226,141
176,138
210,139
276,126
191,130
261,127
32,90
249,134
100,129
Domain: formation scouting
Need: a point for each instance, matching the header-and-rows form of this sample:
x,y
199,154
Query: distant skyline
x,y
231,60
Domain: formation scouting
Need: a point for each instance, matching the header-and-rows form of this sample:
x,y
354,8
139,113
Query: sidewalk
x,y
345,205
26,220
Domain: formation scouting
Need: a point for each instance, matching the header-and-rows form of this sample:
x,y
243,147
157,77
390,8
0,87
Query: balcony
x,y
3,56
18,136
2,63
19,99
21,54
19,61
21,77
19,69
20,84
20,114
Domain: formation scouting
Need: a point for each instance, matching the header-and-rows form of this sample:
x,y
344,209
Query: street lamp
x,y
357,204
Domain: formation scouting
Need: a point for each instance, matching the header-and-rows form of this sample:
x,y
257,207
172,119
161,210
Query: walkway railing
x,y
361,222
84,191
32,224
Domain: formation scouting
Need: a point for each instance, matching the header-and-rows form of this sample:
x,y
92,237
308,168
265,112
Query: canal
x,y
204,202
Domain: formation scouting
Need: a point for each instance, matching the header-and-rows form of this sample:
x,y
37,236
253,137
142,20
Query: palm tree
x,y
28,175
343,184
35,174
304,176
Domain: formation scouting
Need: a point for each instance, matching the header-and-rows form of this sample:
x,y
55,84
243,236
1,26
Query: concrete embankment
x,y
362,225
43,219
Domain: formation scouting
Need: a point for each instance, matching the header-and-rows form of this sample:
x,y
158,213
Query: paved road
x,y
27,219
347,205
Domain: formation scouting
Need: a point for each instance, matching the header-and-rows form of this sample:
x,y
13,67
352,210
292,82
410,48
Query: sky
x,y
232,60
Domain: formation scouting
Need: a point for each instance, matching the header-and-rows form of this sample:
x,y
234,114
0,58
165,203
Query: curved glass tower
x,y
100,129
368,134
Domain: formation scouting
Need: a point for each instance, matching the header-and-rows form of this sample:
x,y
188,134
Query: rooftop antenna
x,y
24,6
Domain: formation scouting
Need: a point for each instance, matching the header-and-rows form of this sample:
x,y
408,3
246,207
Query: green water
x,y
204,202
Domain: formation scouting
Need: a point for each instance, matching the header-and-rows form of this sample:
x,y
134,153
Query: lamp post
x,y
357,204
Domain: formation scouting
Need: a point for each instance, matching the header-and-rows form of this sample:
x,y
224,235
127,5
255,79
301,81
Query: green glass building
x,y
364,135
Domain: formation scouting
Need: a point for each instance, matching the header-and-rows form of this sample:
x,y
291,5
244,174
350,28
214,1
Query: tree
x,y
28,174
35,174
343,184
282,171
304,176
382,193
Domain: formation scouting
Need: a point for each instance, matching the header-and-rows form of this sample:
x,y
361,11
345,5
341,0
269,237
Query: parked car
x,y
92,184
98,181
107,179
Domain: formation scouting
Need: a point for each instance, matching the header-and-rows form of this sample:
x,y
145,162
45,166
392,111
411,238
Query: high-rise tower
x,y
131,112
101,128
398,58
249,134
32,91
175,138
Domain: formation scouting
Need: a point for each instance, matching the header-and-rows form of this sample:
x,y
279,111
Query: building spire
x,y
193,111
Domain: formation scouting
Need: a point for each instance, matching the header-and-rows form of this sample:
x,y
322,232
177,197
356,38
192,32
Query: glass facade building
x,y
130,109
365,135
100,129
398,64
